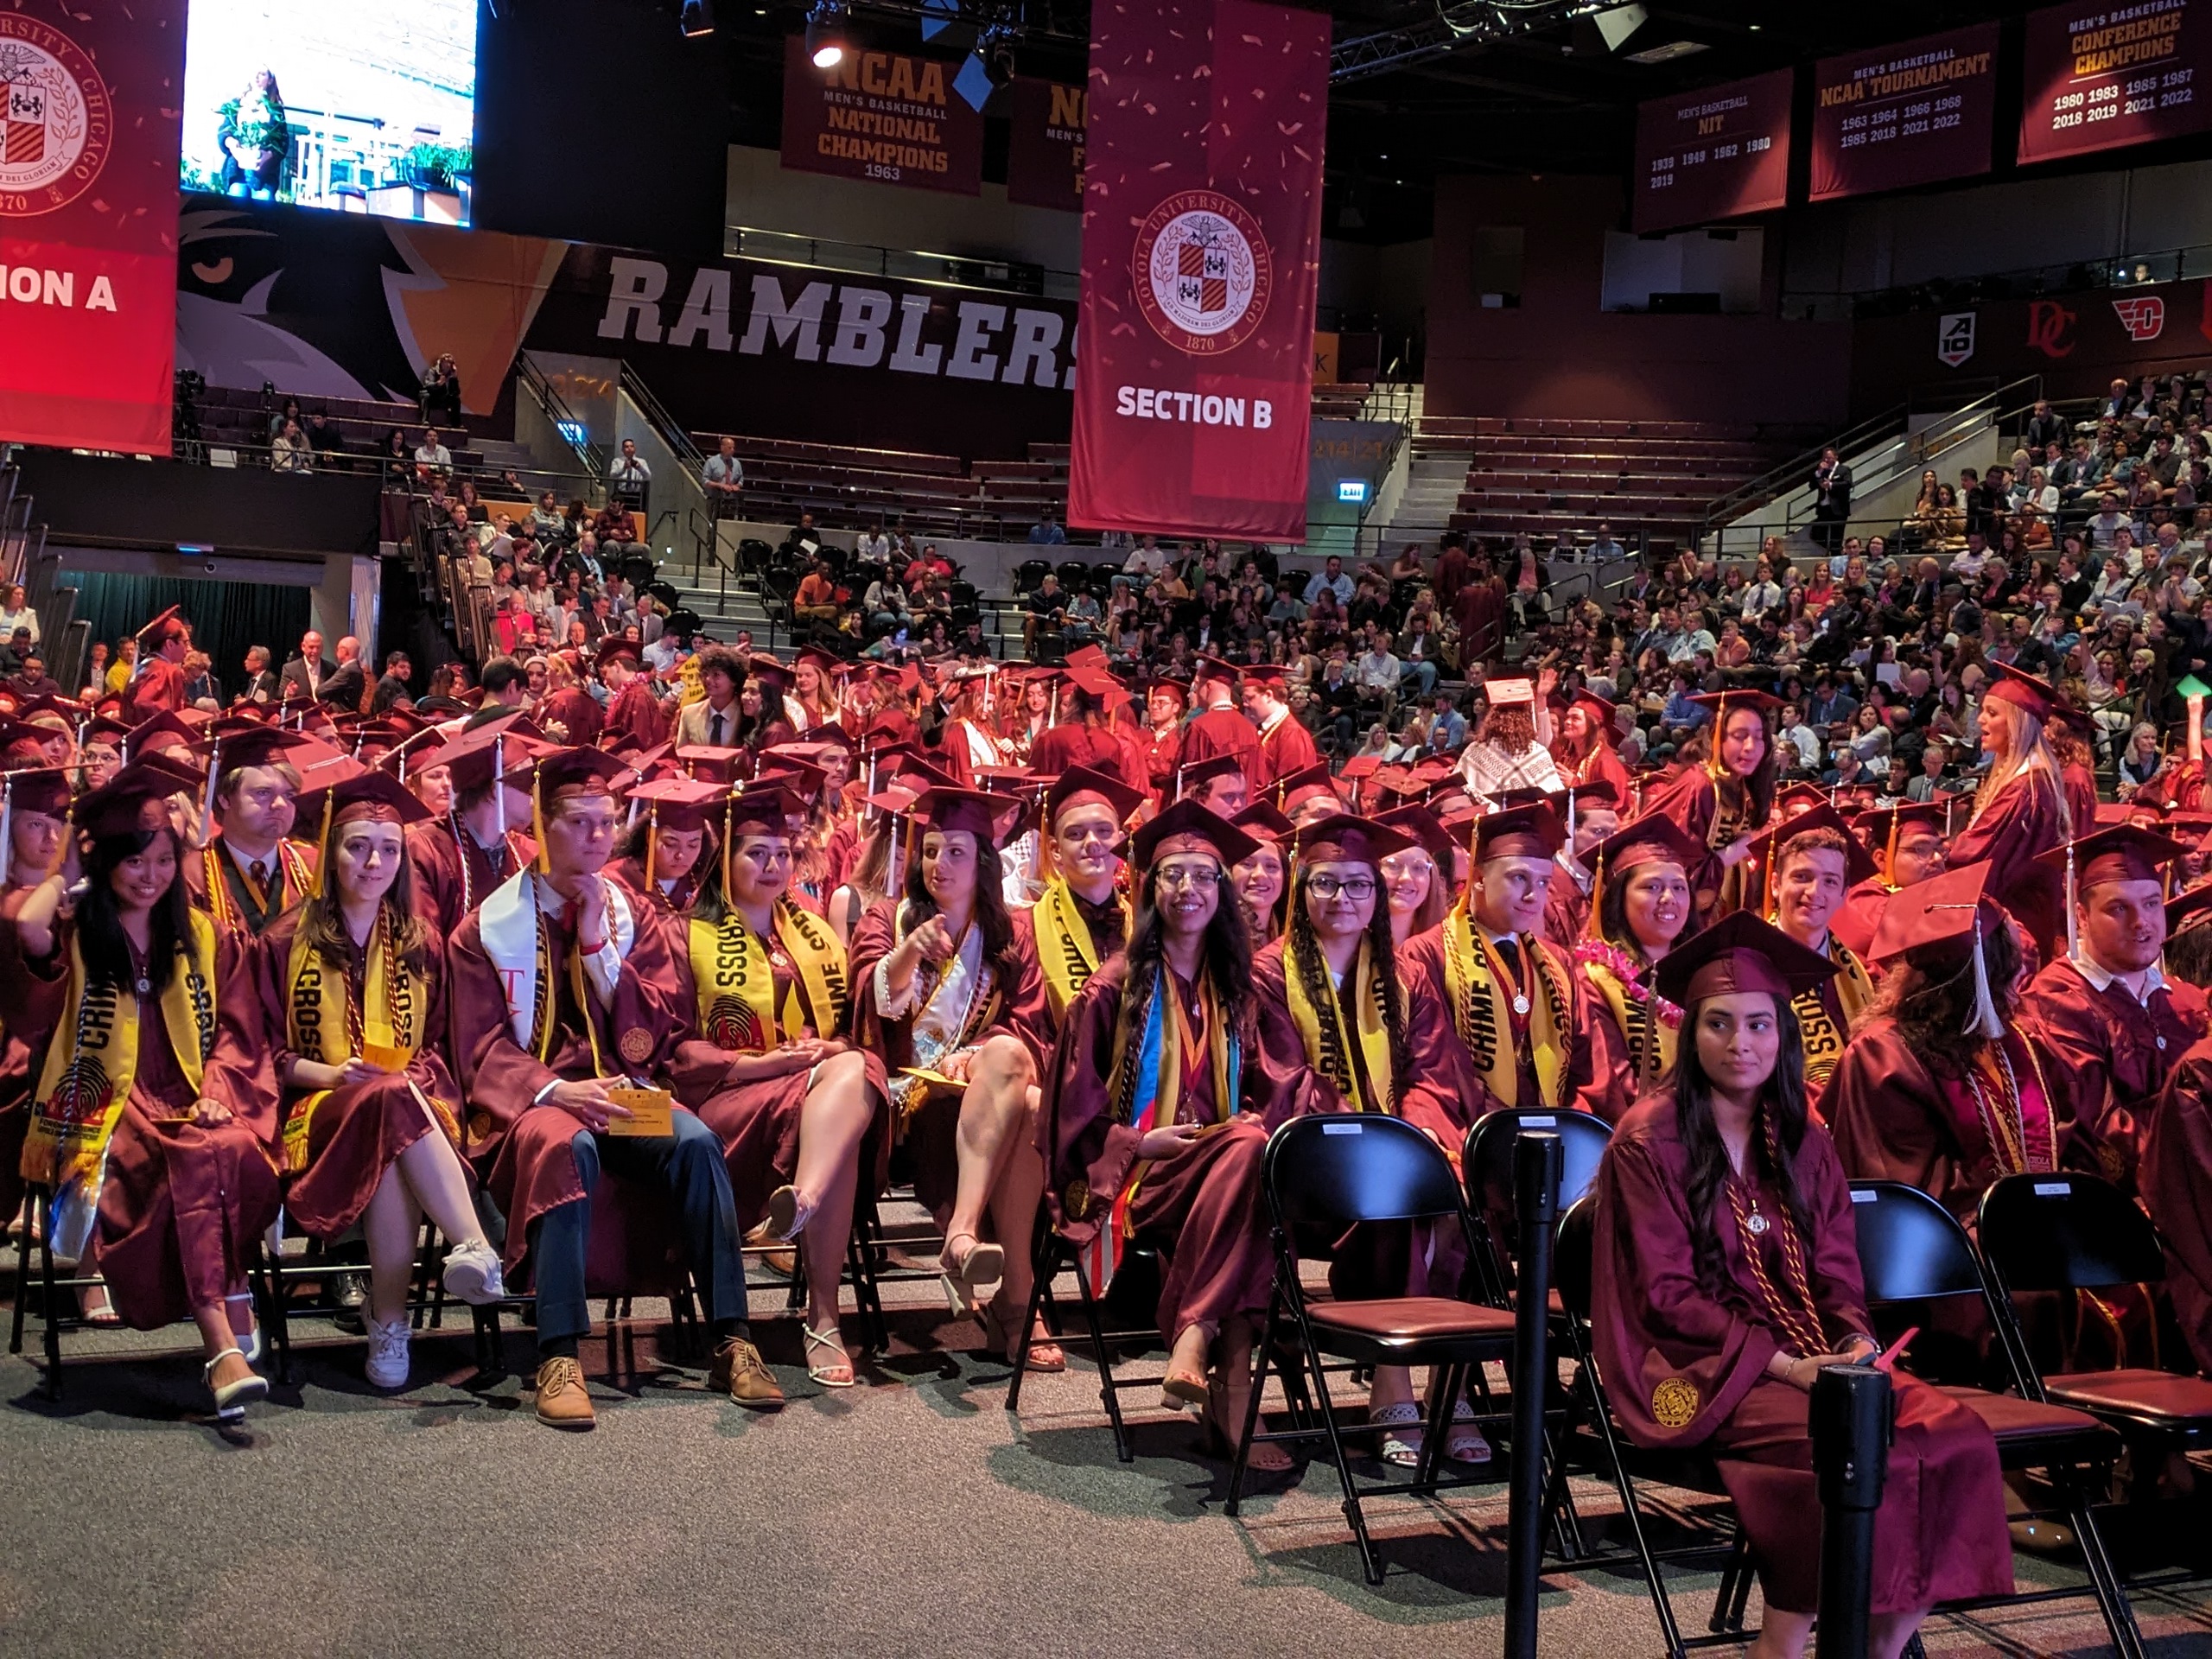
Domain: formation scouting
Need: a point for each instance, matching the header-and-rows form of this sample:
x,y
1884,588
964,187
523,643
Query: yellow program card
x,y
652,1111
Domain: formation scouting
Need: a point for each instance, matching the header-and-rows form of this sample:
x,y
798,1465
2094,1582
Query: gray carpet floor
x,y
910,1515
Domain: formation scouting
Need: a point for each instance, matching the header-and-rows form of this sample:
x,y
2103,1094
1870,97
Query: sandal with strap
x,y
788,1214
977,1277
232,1398
1047,1358
249,1339
1400,1444
833,1339
1463,1441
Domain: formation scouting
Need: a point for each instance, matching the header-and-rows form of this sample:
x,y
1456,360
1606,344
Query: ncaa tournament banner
x,y
1201,242
89,98
889,117
2097,77
1043,157
1902,115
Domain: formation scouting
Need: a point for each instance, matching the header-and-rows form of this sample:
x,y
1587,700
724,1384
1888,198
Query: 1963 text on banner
x,y
89,96
1201,247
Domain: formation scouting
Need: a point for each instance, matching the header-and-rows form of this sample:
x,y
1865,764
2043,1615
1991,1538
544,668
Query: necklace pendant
x,y
1520,1005
145,986
1754,1225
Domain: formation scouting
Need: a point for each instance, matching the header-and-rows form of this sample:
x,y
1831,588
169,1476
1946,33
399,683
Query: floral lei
x,y
1625,968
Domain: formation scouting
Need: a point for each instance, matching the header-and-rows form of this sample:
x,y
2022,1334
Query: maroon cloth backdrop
x,y
1713,153
1902,115
2097,78
88,217
891,118
1201,244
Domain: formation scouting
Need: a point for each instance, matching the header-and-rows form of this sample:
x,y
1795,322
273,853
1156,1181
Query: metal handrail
x,y
907,264
563,418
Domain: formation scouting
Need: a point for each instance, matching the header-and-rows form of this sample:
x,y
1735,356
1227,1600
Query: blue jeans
x,y
1417,679
686,1170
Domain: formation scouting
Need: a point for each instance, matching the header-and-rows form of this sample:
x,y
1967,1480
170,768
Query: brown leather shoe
x,y
740,1372
562,1402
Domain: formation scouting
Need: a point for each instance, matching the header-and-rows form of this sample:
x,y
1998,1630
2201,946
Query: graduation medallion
x,y
145,986
1755,1224
1520,1005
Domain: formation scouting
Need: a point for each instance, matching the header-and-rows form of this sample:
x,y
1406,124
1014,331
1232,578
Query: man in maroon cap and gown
x,y
1907,842
561,990
1081,918
1718,1293
633,711
1085,736
1216,727
2114,1024
483,839
1285,746
158,683
251,870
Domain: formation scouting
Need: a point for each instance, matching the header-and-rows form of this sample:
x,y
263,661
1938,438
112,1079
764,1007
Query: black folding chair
x,y
1136,1284
1912,1249
1326,1173
1486,1162
1591,1439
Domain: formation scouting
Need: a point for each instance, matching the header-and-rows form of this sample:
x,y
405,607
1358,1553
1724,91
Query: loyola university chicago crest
x,y
56,118
1203,272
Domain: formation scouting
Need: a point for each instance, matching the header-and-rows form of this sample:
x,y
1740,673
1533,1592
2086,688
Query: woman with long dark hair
x,y
1508,752
942,990
354,988
767,1068
1722,795
155,1117
1726,1274
1942,1086
1157,1108
665,856
1642,875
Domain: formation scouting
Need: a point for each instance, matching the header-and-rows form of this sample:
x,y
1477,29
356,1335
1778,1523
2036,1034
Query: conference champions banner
x,y
2096,77
89,98
1201,246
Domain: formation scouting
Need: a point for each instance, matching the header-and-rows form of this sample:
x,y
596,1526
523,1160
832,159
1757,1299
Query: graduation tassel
x,y
652,835
499,786
207,796
1570,817
1985,1022
1592,929
1889,857
7,827
2073,926
729,810
542,863
322,844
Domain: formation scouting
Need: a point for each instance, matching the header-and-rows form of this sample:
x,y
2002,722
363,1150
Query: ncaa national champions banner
x,y
89,98
1201,246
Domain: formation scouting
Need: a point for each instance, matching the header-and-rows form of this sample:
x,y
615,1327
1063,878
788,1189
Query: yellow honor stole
x,y
1065,951
93,1056
1651,1042
323,1023
1824,1040
1472,973
736,982
293,876
1328,1046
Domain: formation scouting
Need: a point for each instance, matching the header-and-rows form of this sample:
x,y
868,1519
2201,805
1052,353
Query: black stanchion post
x,y
1535,1199
1852,1422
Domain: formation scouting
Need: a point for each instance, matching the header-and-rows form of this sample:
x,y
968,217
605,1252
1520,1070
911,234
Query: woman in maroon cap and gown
x,y
1643,879
1726,1275
355,1006
155,1100
2021,810
667,853
1158,1106
482,840
766,1066
1261,877
1723,794
944,991
38,842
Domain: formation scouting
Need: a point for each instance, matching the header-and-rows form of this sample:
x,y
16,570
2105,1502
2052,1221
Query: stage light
x,y
825,35
1617,25
995,49
698,17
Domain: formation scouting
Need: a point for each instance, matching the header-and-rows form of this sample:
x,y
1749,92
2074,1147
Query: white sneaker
x,y
387,1366
471,1274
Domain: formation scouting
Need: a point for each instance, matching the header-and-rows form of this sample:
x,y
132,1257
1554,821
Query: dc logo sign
x,y
2144,317
1955,338
1203,272
56,120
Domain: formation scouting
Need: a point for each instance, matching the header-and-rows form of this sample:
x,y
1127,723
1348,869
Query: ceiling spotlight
x,y
996,48
825,35
698,17
1615,26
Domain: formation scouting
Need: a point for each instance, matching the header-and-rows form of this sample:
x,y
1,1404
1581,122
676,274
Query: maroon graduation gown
x,y
637,713
1684,1363
280,893
2020,822
1075,744
2107,1057
2176,1178
520,1148
1223,731
158,688
651,896
1860,914
182,1201
1690,797
17,1080
1287,749
1203,1207
359,1130
453,874
1566,908
1420,966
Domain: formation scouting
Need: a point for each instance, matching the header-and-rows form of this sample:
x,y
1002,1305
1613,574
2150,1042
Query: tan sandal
x,y
832,1339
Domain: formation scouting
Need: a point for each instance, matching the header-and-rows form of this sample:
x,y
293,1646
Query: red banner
x,y
1201,249
1903,115
2097,78
88,220
1044,158
889,117
1713,153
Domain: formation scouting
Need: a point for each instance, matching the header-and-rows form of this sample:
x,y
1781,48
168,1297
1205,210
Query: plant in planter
x,y
435,167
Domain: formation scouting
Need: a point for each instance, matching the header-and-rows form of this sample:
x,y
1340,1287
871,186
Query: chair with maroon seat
x,y
1324,1175
1912,1249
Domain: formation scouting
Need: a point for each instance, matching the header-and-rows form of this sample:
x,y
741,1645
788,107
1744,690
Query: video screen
x,y
362,109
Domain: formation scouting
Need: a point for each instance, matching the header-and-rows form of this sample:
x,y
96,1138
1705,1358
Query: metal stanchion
x,y
1853,1423
1535,1198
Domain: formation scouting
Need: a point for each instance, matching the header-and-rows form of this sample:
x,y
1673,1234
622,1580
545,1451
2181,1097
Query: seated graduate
x,y
1081,918
1340,1023
1942,1086
35,806
355,989
1591,813
766,1067
1262,878
482,840
1812,860
942,986
1417,879
561,990
1908,845
252,871
1726,1275
2113,1024
1641,877
154,1122
1517,1009
1157,1110
667,853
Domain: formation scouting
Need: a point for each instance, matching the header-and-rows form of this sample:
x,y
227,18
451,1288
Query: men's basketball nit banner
x,y
1713,153
89,95
1903,115
2096,77
892,118
1043,157
1201,250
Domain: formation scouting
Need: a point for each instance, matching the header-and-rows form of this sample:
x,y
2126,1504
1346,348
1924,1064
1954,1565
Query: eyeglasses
x,y
1186,875
1358,889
